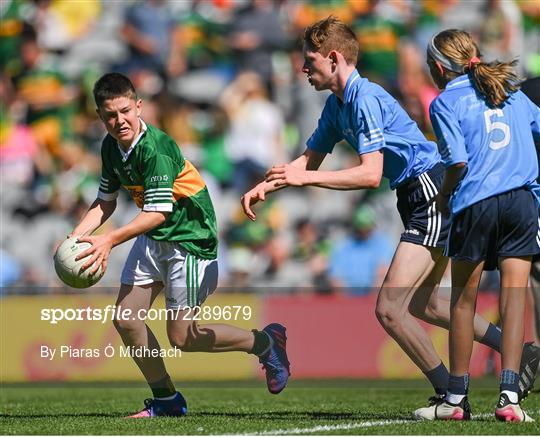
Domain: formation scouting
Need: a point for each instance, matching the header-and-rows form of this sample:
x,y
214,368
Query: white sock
x,y
453,398
512,396
168,398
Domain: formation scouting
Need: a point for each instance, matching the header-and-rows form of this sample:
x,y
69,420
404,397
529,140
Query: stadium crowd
x,y
223,78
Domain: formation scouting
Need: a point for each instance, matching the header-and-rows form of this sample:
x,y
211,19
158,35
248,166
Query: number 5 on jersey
x,y
497,125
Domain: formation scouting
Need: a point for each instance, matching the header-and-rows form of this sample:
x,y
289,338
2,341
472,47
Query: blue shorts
x,y
505,225
424,225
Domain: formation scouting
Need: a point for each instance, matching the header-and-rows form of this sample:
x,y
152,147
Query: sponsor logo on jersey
x,y
137,193
163,178
127,169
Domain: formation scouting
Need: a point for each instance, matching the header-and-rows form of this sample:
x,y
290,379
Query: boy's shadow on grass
x,y
305,415
55,415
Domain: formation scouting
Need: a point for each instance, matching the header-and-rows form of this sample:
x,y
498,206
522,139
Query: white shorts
x,y
188,280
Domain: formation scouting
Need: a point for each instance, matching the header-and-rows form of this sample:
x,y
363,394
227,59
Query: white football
x,y
69,270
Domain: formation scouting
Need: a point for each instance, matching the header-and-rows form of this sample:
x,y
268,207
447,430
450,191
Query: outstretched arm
x,y
367,174
309,160
97,214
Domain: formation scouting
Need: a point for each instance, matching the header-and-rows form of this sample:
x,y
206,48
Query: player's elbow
x,y
162,217
373,181
158,218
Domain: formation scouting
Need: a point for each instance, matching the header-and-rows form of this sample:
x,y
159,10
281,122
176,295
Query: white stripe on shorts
x,y
439,215
192,280
434,218
426,195
538,234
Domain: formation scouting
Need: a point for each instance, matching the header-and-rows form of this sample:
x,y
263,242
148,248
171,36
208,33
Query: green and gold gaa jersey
x,y
158,178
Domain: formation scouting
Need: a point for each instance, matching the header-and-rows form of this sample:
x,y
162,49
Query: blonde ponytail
x,y
495,81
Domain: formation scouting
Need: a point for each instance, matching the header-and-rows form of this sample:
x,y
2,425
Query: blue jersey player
x,y
389,144
485,128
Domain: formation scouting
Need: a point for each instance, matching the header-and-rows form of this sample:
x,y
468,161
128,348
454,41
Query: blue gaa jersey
x,y
370,119
496,143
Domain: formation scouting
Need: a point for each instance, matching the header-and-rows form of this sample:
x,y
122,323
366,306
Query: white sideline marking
x,y
354,425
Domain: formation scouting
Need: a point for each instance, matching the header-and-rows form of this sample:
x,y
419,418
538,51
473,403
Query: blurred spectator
x,y
501,35
531,28
153,39
254,139
417,90
359,263
10,270
428,20
203,34
18,152
215,159
312,249
249,260
59,23
11,32
240,262
379,34
256,32
47,96
303,13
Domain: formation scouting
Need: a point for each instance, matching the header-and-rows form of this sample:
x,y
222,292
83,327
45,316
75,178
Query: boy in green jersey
x,y
174,252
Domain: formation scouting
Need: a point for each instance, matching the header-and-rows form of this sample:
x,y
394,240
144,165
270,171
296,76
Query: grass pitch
x,y
305,407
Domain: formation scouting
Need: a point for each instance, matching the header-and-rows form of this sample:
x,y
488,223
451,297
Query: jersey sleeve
x,y
159,172
450,138
326,135
369,125
109,185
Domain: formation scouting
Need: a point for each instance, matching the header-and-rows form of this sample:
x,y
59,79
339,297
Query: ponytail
x,y
495,81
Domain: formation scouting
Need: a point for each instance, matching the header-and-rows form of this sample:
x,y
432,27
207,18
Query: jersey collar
x,y
459,82
125,155
352,81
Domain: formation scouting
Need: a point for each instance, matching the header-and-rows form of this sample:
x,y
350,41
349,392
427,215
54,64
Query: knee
x,y
179,339
433,311
388,317
185,338
125,326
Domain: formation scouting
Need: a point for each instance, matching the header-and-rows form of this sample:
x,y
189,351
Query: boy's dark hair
x,y
332,34
111,86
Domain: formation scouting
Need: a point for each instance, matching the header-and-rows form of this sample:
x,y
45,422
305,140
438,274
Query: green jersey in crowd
x,y
158,178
